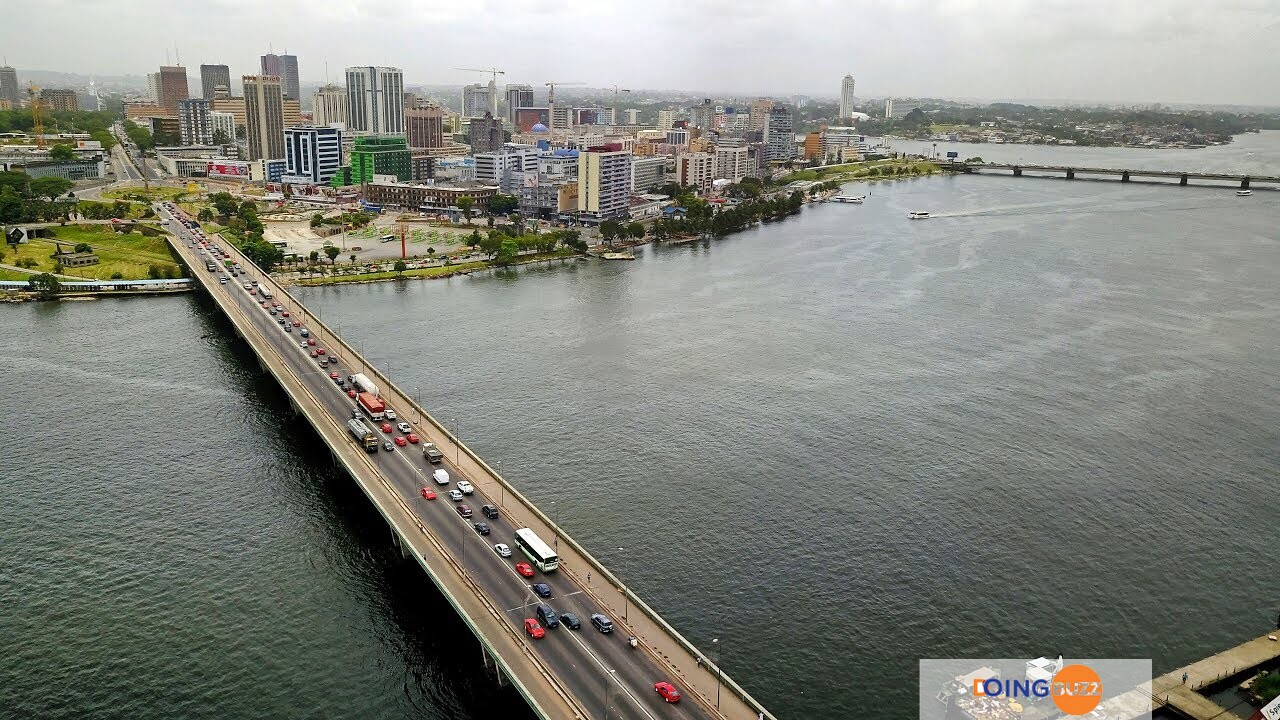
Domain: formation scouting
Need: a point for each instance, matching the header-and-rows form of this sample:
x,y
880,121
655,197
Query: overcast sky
x,y
1171,51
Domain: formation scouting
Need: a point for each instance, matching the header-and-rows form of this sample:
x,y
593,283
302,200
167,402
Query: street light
x,y
501,488
715,645
555,526
623,590
457,441
608,682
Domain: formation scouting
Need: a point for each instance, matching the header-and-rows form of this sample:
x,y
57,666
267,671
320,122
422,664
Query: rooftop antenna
x,y
166,56
326,72
177,54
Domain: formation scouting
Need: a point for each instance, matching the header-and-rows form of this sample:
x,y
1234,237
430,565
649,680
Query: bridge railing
x,y
596,566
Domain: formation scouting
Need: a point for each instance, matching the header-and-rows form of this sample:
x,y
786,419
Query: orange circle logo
x,y
1076,689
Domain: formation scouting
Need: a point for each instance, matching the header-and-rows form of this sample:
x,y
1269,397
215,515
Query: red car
x,y
319,351
333,376
667,691
386,427
296,323
401,442
284,313
313,353
411,438
535,630
311,341
351,394
428,493
525,569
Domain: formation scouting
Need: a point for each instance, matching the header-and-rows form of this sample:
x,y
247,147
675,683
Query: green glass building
x,y
380,155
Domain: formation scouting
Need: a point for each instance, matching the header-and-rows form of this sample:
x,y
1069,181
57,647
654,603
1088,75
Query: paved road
x,y
593,666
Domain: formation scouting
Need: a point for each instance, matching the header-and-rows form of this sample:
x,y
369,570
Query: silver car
x,y
502,549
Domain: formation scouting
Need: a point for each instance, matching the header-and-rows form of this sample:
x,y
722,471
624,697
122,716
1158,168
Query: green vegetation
x,y
24,199
701,219
1267,687
419,272
139,135
145,195
97,124
466,204
44,285
7,274
131,255
244,230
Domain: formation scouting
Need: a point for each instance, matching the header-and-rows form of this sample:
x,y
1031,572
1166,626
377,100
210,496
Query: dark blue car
x,y
542,589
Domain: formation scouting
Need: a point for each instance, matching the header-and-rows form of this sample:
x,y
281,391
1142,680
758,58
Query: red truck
x,y
372,406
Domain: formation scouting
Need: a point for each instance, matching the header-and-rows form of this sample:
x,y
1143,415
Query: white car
x,y
404,428
441,476
465,487
391,415
455,496
502,550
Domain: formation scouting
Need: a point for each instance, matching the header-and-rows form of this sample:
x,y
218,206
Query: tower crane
x,y
37,123
493,86
551,100
617,90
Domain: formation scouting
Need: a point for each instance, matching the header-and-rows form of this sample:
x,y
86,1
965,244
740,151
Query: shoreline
x,y
461,269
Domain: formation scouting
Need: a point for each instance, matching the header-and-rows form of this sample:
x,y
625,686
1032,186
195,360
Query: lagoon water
x,y
1044,421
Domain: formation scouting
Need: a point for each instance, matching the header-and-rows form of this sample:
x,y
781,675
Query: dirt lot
x,y
419,236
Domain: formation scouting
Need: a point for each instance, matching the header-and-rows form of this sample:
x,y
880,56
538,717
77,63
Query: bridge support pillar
x,y
1017,172
1183,180
1071,174
395,540
1125,176
1244,183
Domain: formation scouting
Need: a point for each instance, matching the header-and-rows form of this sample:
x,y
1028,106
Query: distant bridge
x,y
1245,180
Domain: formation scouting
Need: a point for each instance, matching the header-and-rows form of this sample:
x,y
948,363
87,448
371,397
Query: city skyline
x,y
1179,52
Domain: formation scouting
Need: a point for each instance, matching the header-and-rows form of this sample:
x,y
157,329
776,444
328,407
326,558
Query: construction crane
x,y
617,90
551,101
37,123
493,86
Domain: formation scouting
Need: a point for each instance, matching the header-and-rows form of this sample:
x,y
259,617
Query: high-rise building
x,y
518,96
59,100
486,134
375,100
604,183
702,115
212,77
779,136
424,128
475,100
888,108
173,87
224,123
380,156
329,105
292,112
631,116
696,170
677,136
264,117
731,162
666,118
760,112
284,67
846,97
153,87
195,127
311,154
646,173
234,106
9,85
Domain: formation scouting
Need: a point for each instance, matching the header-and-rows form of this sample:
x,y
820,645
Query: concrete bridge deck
x,y
1244,180
565,675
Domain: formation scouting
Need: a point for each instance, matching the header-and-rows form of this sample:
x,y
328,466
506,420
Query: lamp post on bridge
x,y
457,441
622,589
715,645
608,682
501,489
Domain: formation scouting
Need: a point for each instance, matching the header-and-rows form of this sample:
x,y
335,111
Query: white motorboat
x,y
1244,193
917,215
855,199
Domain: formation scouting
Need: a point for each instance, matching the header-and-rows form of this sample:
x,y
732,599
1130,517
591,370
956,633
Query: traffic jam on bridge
x,y
389,437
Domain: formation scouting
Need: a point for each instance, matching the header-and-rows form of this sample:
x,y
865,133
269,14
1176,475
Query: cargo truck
x,y
362,383
432,453
372,406
363,435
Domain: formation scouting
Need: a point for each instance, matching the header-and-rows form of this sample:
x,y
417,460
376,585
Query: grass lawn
x,y
7,274
420,272
159,192
130,255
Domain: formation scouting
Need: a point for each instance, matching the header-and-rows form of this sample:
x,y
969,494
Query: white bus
x,y
264,292
538,552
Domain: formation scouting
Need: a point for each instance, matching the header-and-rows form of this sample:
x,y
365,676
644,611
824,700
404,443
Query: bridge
x,y
566,674
1245,181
